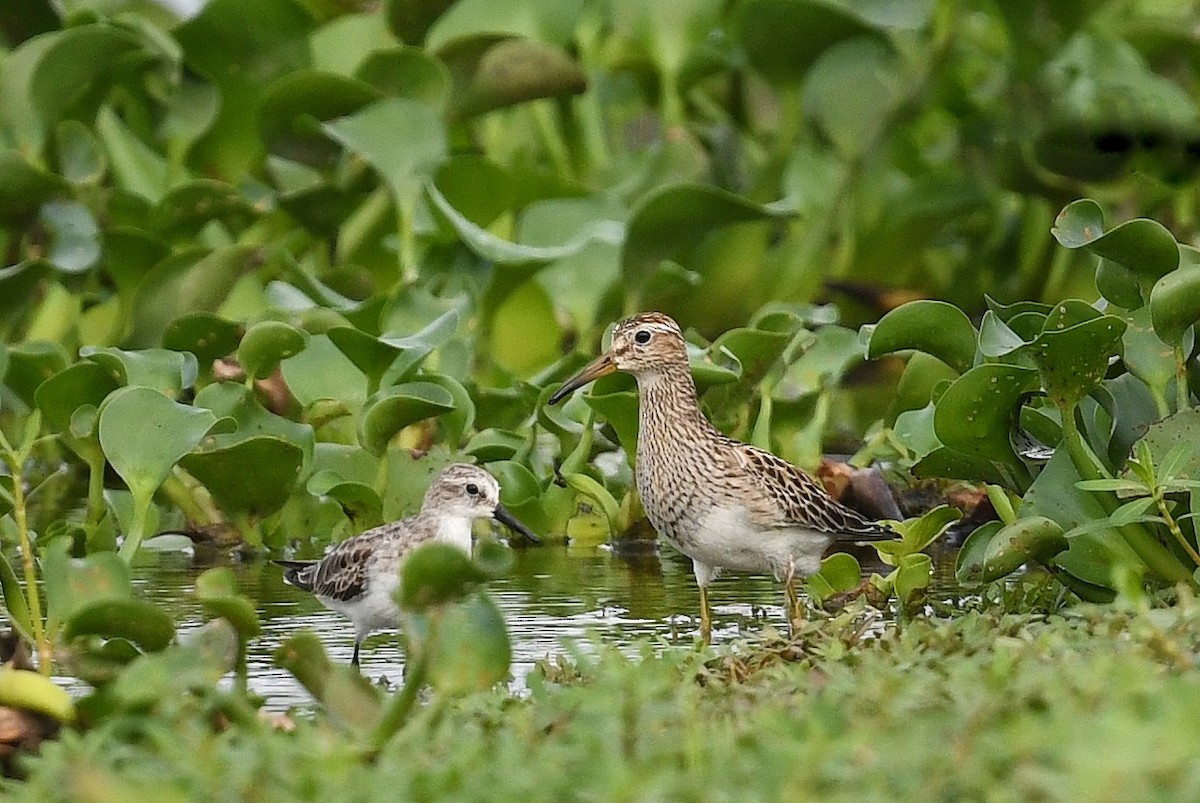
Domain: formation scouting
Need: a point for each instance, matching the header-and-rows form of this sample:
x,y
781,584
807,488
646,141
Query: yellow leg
x,y
705,617
795,614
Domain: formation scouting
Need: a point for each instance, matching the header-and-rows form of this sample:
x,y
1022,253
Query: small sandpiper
x,y
359,576
724,504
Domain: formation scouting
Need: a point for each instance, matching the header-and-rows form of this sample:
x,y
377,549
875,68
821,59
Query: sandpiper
x,y
724,504
359,576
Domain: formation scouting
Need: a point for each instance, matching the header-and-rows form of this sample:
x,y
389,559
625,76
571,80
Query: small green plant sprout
x,y
841,573
1150,487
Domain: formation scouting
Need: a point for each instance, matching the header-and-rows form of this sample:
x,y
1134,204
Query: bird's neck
x,y
455,530
669,411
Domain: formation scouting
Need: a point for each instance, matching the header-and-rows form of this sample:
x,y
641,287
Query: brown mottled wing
x,y
786,497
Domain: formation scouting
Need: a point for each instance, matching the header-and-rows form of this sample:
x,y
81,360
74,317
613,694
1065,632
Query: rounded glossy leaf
x,y
295,104
82,384
373,132
974,416
783,38
934,327
913,575
24,188
1175,301
168,372
839,574
1073,359
968,568
253,475
457,422
434,574
1146,356
490,445
32,691
205,334
518,485
392,409
143,434
74,236
497,74
138,621
406,72
31,364
81,159
1026,540
359,500
190,206
470,650
410,20
217,590
1142,246
267,343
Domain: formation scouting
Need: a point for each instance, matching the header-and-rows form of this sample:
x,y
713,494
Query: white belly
x,y
727,539
374,610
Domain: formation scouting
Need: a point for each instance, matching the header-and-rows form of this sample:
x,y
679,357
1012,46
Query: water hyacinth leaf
x,y
31,364
373,131
72,583
178,672
294,106
144,433
323,372
1031,539
222,469
406,72
975,414
82,384
359,501
851,91
410,20
996,337
24,188
435,574
932,327
968,567
492,444
188,207
19,285
1074,359
349,699
755,349
138,621
392,409
912,575
81,159
833,352
470,650
1142,246
1162,438
216,589
713,366
1146,356
600,496
457,422
205,334
168,372
922,375
783,38
32,691
493,558
266,344
230,400
1119,285
1093,553
840,573
673,219
518,485
1175,299
491,74
916,533
392,355
482,190
14,595
496,249
74,236
619,408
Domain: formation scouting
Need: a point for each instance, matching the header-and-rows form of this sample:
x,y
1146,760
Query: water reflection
x,y
556,599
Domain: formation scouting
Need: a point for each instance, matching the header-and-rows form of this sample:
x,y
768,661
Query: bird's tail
x,y
298,572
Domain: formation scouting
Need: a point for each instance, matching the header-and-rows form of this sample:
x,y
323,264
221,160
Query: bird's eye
x,y
473,489
642,337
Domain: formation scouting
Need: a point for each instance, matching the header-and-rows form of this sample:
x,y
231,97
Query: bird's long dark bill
x,y
601,366
510,521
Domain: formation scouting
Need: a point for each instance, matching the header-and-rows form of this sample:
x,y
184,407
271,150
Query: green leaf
x,y
784,38
31,364
274,464
350,699
373,131
204,334
266,344
1072,355
74,236
468,648
82,384
934,327
491,74
839,574
81,160
136,620
600,496
15,605
358,500
190,206
168,372
394,408
975,414
1175,298
912,575
1142,246
296,104
434,574
144,434
217,589
24,188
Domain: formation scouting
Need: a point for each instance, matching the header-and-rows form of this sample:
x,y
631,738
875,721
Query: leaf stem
x,y
397,713
1173,526
137,527
1157,557
1182,397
